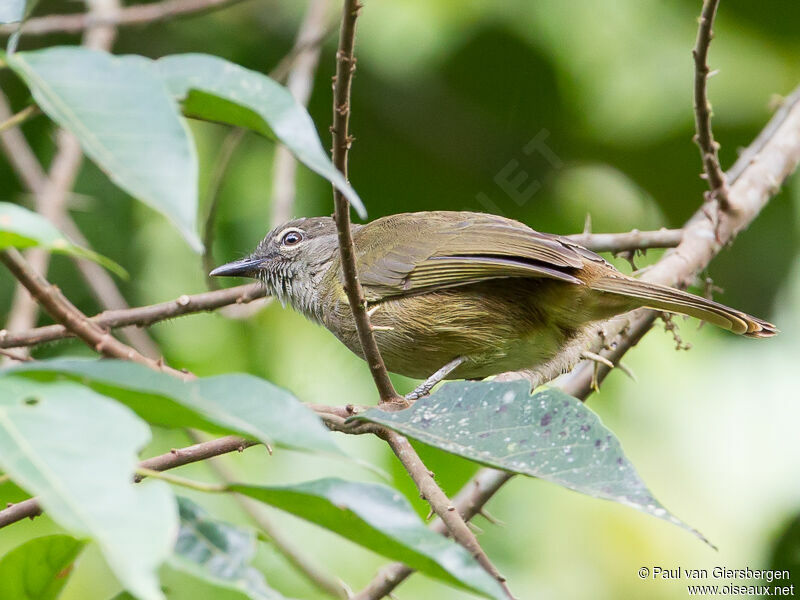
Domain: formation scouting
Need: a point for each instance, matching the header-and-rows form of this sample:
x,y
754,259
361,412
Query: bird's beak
x,y
246,267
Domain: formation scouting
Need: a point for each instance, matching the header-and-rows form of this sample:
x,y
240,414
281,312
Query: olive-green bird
x,y
482,292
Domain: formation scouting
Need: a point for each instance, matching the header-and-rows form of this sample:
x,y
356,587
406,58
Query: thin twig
x,y
345,67
769,161
300,82
17,356
439,502
19,118
634,240
62,310
229,145
140,14
141,316
709,149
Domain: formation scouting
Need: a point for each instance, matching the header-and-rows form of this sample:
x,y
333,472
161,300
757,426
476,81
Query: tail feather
x,y
650,295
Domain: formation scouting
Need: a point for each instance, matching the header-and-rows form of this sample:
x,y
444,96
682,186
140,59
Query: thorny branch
x,y
702,109
345,67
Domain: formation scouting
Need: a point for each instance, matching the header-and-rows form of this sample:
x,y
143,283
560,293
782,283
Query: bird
x,y
481,293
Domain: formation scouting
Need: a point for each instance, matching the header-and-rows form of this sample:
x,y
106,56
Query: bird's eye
x,y
290,238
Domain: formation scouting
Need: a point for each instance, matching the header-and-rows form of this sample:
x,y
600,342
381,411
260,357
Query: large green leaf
x,y
126,121
381,519
39,568
76,451
549,435
22,228
218,554
234,404
214,89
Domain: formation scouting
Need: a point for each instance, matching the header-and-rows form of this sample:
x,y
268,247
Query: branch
x,y
440,503
63,311
702,109
175,458
345,67
141,316
764,166
634,240
132,15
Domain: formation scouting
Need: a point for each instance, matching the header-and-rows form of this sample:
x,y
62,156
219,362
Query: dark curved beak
x,y
245,267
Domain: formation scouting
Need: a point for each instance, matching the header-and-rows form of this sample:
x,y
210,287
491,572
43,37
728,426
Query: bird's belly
x,y
494,328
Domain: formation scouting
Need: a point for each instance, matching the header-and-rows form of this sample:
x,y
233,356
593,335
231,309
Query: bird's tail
x,y
659,297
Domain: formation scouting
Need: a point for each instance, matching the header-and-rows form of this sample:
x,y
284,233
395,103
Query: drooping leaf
x,y
22,228
380,519
76,451
236,404
218,554
550,435
126,121
39,568
214,89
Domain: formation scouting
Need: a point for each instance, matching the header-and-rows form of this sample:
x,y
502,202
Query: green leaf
x,y
22,228
39,568
381,519
126,121
12,11
214,89
219,554
550,435
236,404
76,451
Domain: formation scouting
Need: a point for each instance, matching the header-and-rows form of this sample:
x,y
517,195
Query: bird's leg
x,y
426,386
597,359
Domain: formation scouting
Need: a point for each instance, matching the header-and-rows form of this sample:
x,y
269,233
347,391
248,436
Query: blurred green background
x,y
447,97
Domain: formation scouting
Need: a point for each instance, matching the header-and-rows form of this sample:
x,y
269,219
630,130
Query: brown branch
x,y
634,240
345,67
300,82
439,502
140,14
704,138
62,310
175,458
468,502
770,160
141,316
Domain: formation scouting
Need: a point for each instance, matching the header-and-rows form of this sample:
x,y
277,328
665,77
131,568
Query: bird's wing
x,y
437,250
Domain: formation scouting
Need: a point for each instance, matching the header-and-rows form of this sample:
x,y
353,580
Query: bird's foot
x,y
426,386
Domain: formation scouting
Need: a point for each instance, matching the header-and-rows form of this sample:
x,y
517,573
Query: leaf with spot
x,y
217,554
214,89
235,404
550,435
125,120
22,228
39,568
77,451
